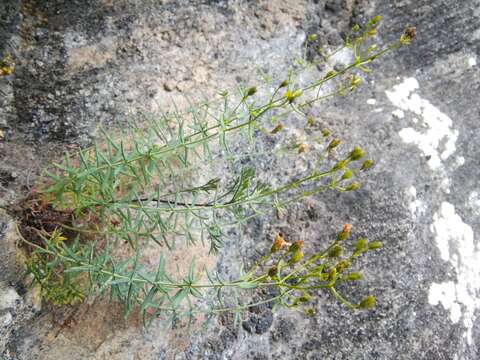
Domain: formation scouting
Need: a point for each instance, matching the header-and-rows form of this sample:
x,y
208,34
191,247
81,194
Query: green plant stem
x,y
261,110
257,281
184,207
123,190
89,267
342,299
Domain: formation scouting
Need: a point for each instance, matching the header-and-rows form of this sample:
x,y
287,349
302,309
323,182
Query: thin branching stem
x,y
106,203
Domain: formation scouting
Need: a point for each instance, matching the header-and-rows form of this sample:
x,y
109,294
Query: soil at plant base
x,y
81,64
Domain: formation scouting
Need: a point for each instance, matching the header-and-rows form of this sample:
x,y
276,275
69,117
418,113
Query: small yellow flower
x,y
6,70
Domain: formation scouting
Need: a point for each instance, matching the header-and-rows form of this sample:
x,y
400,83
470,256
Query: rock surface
x,y
85,63
16,306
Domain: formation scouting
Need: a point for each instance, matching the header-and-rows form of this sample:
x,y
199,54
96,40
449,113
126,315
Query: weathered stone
x,y
15,310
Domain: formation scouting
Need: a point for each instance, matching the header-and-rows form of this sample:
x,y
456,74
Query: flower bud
x,y
297,245
354,276
332,275
272,272
251,91
278,243
312,37
372,48
357,153
298,93
304,298
296,257
322,276
343,235
301,148
375,20
333,144
292,95
339,165
326,132
367,164
335,251
347,174
411,32
408,36
354,82
374,245
342,265
309,312
361,244
277,129
283,84
353,186
310,120
367,302
6,70
330,74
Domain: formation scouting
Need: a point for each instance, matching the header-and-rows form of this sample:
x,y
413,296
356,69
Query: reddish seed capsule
x,y
272,272
408,36
301,148
277,129
411,32
297,245
342,235
278,243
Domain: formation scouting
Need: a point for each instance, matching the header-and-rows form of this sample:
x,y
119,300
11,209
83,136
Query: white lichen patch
x,y
8,297
474,202
434,134
445,183
343,56
398,113
472,61
455,240
416,206
371,101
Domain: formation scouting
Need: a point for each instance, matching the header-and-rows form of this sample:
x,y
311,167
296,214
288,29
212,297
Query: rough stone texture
x,y
16,306
85,63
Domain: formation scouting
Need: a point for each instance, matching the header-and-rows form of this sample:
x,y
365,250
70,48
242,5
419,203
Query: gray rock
x,y
15,309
